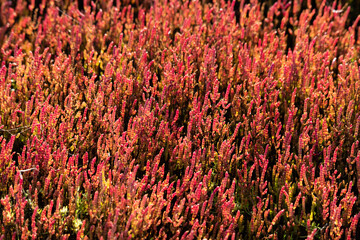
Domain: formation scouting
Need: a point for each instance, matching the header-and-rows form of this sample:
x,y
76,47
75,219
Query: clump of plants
x,y
174,119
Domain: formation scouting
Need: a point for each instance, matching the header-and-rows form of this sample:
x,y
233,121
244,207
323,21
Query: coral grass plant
x,y
170,119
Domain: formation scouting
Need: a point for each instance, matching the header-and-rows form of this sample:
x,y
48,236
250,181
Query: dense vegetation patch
x,y
178,119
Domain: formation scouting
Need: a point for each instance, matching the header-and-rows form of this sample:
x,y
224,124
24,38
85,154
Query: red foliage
x,y
179,120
